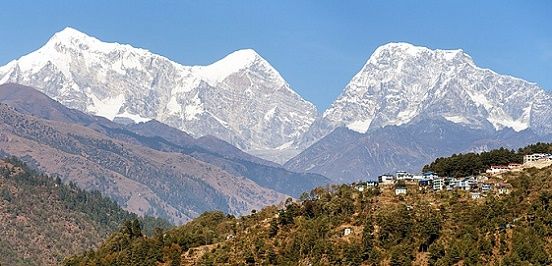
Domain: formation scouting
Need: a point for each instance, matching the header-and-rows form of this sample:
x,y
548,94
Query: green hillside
x,y
420,228
43,220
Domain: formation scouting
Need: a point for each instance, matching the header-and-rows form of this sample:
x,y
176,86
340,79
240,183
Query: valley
x,y
353,139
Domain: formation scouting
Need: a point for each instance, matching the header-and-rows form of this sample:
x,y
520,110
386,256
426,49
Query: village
x,y
478,186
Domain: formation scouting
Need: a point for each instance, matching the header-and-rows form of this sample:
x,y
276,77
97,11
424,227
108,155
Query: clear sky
x,y
316,45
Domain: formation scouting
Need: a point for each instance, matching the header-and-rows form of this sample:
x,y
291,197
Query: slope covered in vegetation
x,y
43,220
341,225
475,163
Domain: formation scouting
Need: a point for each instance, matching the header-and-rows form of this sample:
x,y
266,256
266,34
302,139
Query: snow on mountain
x,y
241,98
401,83
230,64
409,105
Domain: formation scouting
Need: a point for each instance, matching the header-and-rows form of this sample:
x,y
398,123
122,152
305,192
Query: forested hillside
x,y
43,220
468,164
341,225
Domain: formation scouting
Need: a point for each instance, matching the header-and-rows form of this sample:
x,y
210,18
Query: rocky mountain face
x,y
376,125
403,83
348,156
241,99
409,104
97,154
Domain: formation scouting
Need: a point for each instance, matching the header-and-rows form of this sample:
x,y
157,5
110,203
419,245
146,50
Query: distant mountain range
x,y
241,99
403,83
407,105
146,174
346,156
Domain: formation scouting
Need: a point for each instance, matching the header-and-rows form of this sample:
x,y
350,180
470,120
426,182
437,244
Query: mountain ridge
x,y
130,84
143,180
345,155
244,101
401,82
212,152
403,87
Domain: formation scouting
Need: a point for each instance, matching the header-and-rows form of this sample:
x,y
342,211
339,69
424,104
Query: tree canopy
x,y
467,164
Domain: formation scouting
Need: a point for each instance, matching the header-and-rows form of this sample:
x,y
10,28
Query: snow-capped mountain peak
x,y
65,46
402,82
403,51
70,37
235,62
241,98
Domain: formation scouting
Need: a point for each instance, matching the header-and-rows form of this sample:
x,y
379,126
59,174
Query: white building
x,y
347,231
536,157
467,183
514,165
503,188
486,187
438,183
497,169
452,183
372,184
430,175
400,191
386,179
401,175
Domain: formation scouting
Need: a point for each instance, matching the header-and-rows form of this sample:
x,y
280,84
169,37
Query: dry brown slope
x,y
143,180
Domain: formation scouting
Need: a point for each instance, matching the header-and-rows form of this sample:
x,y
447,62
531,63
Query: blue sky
x,y
316,45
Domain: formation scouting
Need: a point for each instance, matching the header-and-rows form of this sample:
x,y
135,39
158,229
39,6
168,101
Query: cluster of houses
x,y
429,181
476,185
